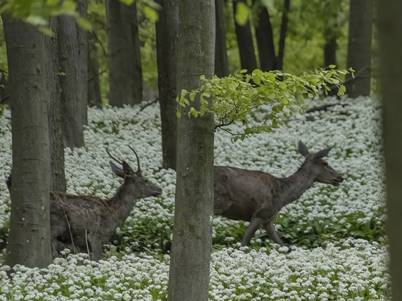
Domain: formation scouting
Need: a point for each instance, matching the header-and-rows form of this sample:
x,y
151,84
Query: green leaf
x,y
127,2
151,14
341,90
37,21
242,13
84,23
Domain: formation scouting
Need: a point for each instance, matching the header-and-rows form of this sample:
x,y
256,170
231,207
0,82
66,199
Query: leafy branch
x,y
260,101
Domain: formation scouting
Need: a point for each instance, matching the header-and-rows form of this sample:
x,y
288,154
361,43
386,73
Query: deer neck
x,y
294,186
122,203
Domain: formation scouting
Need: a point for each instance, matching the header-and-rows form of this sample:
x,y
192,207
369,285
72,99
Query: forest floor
x,y
337,233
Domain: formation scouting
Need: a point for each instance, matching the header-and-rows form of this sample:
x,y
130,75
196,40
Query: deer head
x,y
135,183
315,163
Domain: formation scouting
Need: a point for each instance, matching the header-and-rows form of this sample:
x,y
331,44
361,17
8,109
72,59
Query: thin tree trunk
x,y
330,47
55,119
390,41
282,33
82,7
221,57
70,77
166,41
3,85
94,93
265,40
359,47
245,43
28,55
125,75
191,247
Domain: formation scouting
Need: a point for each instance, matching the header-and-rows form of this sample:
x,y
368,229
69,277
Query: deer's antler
x,y
138,159
113,158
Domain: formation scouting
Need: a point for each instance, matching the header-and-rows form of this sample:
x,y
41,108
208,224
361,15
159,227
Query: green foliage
x,y
260,101
242,13
38,12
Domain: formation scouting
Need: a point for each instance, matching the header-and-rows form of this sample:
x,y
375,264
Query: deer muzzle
x,y
338,180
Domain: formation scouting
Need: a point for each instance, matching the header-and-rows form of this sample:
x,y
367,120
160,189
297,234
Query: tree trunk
x,y
390,41
28,55
265,40
221,57
245,44
359,46
125,75
55,118
82,7
3,85
70,77
330,47
166,41
191,247
282,33
94,93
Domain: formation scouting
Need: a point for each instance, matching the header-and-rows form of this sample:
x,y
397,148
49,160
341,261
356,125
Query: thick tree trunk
x,y
359,46
125,75
28,55
265,40
221,57
70,77
191,247
166,41
282,33
94,93
330,47
55,119
390,41
245,43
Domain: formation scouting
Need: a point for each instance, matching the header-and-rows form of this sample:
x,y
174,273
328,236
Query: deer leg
x,y
255,223
272,234
96,246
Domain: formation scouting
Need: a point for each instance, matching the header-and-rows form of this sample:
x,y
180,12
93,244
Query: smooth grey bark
x,y
28,55
166,48
70,69
221,57
283,33
94,93
390,41
55,116
245,43
359,47
265,40
125,75
191,245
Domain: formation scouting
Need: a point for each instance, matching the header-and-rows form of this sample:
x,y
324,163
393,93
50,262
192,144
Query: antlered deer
x,y
85,223
257,197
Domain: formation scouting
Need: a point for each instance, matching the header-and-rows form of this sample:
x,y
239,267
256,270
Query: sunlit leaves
x,y
38,12
261,100
151,14
242,13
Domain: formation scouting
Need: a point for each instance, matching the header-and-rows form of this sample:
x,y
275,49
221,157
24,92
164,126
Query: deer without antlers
x,y
257,197
85,223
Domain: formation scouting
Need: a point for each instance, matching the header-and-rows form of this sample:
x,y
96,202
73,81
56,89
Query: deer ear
x,y
127,169
322,153
116,170
303,149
